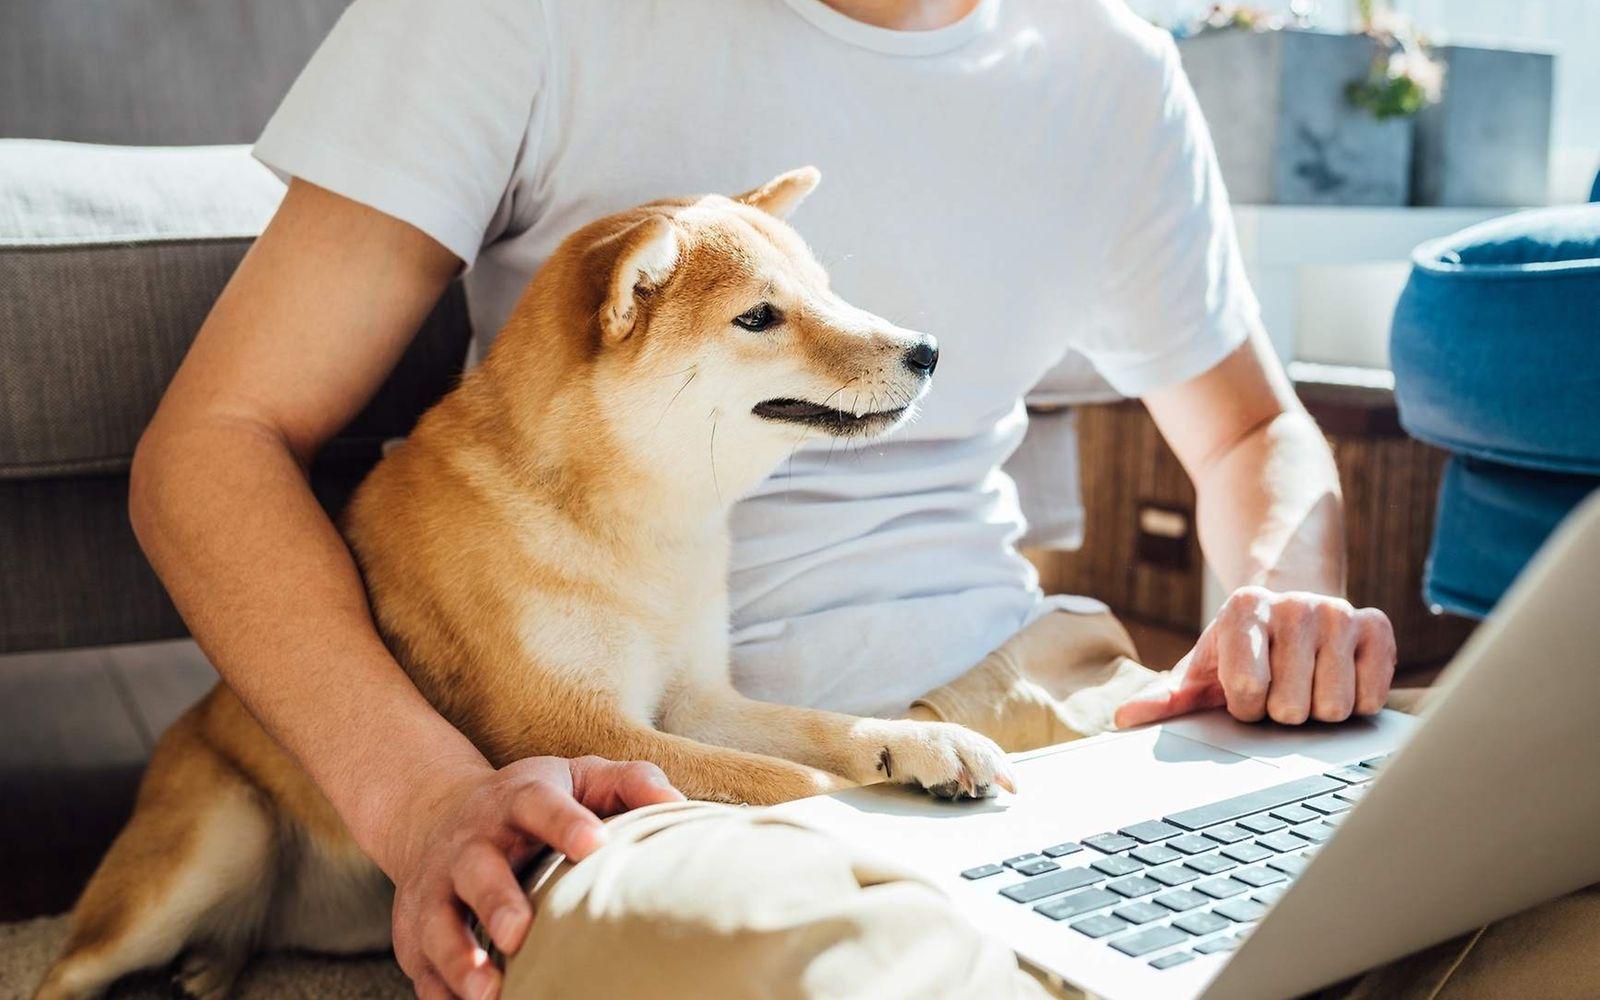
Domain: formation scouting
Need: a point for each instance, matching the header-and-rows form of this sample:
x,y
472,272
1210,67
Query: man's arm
x,y
317,314
1286,644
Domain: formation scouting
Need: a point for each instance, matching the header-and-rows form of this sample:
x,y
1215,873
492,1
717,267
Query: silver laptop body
x,y
1265,861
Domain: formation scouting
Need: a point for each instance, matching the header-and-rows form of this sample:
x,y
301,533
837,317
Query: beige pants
x,y
702,900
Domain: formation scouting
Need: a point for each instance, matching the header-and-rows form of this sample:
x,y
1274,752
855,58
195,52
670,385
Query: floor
x,y
76,728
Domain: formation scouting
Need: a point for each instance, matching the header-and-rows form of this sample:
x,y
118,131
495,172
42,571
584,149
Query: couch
x,y
110,257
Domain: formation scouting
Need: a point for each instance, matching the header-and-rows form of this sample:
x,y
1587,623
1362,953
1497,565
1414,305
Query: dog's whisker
x,y
836,392
680,371
716,486
675,395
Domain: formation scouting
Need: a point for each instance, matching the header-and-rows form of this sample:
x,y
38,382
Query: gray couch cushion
x,y
109,261
152,72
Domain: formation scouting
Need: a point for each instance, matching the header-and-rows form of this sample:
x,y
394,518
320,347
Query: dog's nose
x,y
923,357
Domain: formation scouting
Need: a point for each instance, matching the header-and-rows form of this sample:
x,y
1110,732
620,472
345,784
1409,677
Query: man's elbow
x,y
144,484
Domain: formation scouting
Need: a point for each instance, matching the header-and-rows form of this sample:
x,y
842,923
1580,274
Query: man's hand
x,y
458,853
1285,656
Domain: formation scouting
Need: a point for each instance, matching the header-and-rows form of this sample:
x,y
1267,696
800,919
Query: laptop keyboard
x,y
1191,883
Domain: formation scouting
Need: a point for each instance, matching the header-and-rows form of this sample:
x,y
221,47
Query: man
x,y
1018,178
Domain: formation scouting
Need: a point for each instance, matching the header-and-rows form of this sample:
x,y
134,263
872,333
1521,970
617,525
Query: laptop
x,y
1209,858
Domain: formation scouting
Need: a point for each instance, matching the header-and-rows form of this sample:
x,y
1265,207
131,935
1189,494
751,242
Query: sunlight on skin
x,y
905,15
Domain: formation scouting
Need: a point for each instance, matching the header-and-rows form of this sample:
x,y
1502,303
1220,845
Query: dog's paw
x,y
206,975
949,761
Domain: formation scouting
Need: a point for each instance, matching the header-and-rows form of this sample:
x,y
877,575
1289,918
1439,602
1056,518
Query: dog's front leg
x,y
946,759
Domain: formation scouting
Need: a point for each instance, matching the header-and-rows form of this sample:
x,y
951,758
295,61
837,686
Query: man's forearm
x,y
273,596
1270,511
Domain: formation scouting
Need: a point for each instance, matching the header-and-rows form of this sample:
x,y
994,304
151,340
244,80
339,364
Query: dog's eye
x,y
758,318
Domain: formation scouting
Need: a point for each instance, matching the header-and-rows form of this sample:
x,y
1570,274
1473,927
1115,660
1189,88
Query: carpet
x,y
28,946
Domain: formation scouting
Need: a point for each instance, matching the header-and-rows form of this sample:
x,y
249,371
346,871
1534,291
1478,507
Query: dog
x,y
546,556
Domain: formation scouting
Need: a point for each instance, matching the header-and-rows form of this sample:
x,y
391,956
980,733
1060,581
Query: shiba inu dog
x,y
546,555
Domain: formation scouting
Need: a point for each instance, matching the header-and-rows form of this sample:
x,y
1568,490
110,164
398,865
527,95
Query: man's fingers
x,y
639,783
430,987
1333,692
1375,659
550,814
456,958
1293,655
482,878
1164,704
1243,668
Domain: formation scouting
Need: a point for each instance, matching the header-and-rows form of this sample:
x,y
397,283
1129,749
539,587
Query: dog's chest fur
x,y
662,624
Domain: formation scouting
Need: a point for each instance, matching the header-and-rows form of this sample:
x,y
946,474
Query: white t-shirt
x,y
1032,179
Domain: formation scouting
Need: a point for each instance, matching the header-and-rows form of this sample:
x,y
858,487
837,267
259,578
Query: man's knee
x,y
707,900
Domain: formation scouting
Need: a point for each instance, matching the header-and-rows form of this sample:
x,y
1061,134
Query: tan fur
x,y
546,556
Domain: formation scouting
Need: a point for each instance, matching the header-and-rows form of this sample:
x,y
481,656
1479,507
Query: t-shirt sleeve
x,y
1172,300
417,108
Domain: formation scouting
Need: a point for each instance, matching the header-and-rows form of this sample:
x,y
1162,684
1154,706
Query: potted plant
x,y
1301,116
1487,143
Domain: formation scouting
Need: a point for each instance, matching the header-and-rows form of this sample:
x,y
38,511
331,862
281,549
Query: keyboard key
x,y
1078,903
1246,853
1228,834
1190,843
1155,854
1254,802
1353,775
1038,867
1117,864
1150,831
1135,887
1173,874
1181,899
1281,841
1170,959
1211,864
1374,763
1144,942
1289,864
1217,944
1021,859
1295,814
1110,843
1317,833
1265,823
1200,923
1222,888
1352,793
1100,926
1241,909
1327,804
1141,912
1063,849
1266,897
1049,885
982,871
1258,877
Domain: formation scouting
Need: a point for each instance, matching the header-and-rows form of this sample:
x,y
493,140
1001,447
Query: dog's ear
x,y
784,193
648,255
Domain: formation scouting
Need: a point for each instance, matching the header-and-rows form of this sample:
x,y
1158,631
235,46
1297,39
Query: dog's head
x,y
716,328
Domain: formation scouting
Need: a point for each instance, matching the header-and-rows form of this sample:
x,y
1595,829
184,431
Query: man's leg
x,y
701,900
